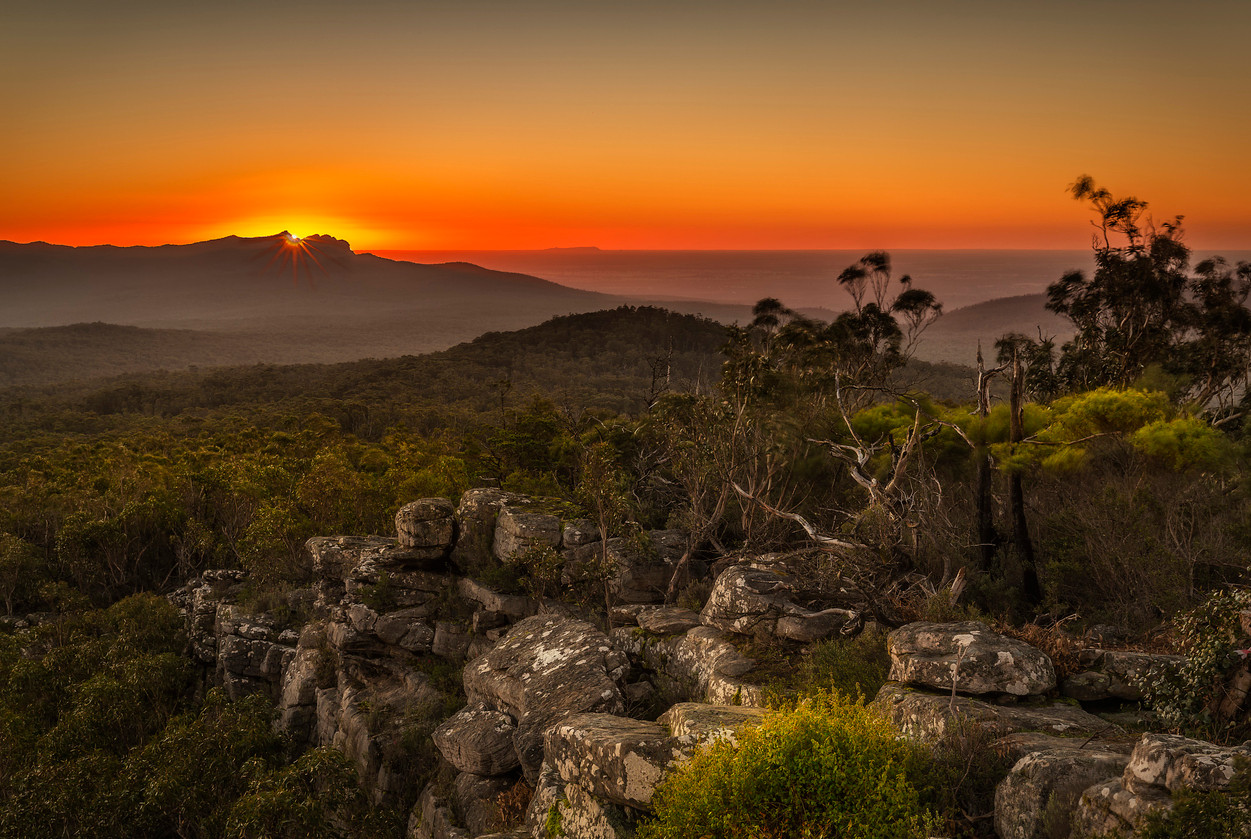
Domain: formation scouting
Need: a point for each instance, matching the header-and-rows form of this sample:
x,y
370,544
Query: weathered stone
x,y
700,665
392,627
1108,809
1115,674
579,532
696,724
927,716
474,799
297,702
427,526
475,519
361,617
614,758
432,818
977,659
1167,762
749,599
451,640
478,740
1037,798
543,670
520,530
667,620
341,557
1018,744
638,573
573,812
513,606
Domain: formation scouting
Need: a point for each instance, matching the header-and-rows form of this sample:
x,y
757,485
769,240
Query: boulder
x,y
427,527
451,640
546,668
1115,674
1108,809
341,557
478,740
512,606
432,818
757,600
613,758
695,724
970,655
667,620
474,800
519,529
475,519
1037,798
578,532
927,716
1168,762
701,665
405,628
558,809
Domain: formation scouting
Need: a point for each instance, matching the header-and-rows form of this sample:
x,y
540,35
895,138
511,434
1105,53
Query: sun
x,y
293,240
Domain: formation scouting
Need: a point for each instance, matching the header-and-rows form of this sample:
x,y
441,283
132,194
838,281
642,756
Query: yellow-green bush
x,y
824,767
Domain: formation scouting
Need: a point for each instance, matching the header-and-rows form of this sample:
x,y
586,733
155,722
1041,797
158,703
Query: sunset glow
x,y
481,124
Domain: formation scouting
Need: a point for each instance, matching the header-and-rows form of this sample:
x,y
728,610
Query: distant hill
x,y
310,299
954,337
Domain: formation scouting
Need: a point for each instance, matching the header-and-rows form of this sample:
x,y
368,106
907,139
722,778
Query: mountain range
x,y
82,312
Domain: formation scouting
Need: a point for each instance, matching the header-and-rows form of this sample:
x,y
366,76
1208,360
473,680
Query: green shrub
x,y
855,666
1188,699
824,767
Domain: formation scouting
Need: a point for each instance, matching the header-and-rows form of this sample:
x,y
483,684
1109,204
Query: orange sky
x,y
507,124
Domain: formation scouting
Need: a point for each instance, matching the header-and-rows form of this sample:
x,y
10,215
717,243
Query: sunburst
x,y
300,254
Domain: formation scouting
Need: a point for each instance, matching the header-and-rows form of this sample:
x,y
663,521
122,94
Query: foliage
x,y
825,767
1142,306
1192,699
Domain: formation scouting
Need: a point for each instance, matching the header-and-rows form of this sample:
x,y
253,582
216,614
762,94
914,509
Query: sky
x,y
498,124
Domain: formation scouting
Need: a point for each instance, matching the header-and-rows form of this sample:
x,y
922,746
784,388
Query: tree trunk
x,y
1020,529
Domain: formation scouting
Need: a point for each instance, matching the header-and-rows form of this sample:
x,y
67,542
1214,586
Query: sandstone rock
x,y
638,573
544,669
1115,674
695,724
927,716
613,758
451,640
760,601
427,527
567,808
1107,808
980,661
405,628
476,519
432,818
579,532
341,557
478,740
518,530
1037,798
474,799
1167,763
667,620
700,665
513,606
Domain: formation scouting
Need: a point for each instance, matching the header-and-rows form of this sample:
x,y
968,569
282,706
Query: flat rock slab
x,y
696,724
478,740
927,716
667,620
702,664
1167,763
1046,785
342,557
969,655
546,668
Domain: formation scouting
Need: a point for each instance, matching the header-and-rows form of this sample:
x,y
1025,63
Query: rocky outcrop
x,y
1037,799
969,658
478,740
750,599
544,669
427,527
929,716
702,664
1160,765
